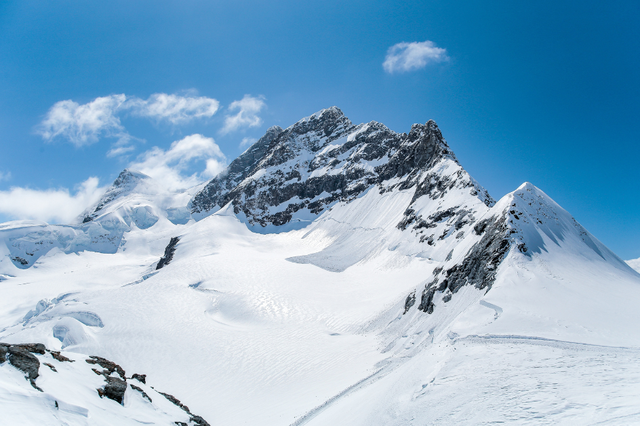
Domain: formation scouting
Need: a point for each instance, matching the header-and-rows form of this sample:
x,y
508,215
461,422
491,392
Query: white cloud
x,y
404,57
247,142
85,124
171,167
173,108
5,176
53,205
248,109
119,150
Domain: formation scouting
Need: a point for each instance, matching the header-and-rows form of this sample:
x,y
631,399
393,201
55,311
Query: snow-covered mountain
x,y
332,274
134,201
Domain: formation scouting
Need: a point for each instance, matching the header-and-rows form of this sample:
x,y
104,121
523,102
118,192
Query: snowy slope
x,y
554,341
67,393
384,286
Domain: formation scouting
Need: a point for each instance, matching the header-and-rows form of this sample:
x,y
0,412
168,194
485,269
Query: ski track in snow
x,y
541,341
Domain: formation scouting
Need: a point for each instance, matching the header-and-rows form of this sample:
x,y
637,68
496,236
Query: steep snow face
x,y
291,176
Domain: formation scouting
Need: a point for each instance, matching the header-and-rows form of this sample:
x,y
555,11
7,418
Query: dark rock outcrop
x,y
3,352
478,268
169,251
197,420
215,193
109,366
24,361
409,302
37,348
114,389
58,356
142,378
21,357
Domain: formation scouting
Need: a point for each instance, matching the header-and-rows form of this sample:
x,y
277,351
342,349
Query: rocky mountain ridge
x,y
293,175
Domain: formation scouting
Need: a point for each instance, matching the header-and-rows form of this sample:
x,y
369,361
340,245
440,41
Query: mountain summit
x,y
289,177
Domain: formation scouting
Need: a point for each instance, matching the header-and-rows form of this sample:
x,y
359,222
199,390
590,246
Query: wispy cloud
x,y
5,176
171,167
85,124
173,108
245,142
53,205
404,57
247,116
120,150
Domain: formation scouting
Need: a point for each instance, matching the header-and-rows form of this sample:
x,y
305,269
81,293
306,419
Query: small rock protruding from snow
x,y
168,253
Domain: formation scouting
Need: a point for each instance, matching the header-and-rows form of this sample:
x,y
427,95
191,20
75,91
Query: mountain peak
x,y
293,175
324,123
128,177
126,182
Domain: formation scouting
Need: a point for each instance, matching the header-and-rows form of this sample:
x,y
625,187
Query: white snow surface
x,y
309,326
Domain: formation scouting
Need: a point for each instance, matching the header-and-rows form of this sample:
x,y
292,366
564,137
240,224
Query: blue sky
x,y
546,92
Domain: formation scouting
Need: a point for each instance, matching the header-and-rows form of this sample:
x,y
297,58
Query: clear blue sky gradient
x,y
545,91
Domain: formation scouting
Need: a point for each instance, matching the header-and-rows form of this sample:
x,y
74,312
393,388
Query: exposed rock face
x,y
214,194
197,420
114,389
24,361
168,253
478,268
20,356
109,366
295,174
58,356
142,378
37,348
